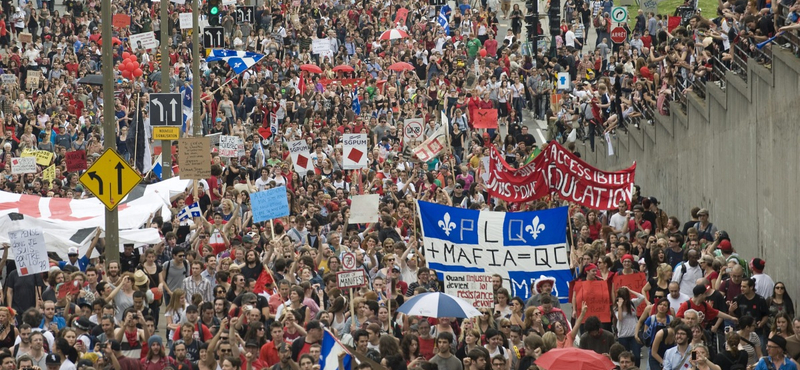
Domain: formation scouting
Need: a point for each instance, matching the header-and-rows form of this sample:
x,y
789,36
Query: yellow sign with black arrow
x,y
110,179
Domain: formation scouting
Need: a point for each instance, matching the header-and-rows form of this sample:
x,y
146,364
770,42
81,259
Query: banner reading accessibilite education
x,y
519,246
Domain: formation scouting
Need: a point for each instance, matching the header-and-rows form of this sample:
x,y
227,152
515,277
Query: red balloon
x,y
126,74
482,53
126,55
138,72
135,65
133,58
125,66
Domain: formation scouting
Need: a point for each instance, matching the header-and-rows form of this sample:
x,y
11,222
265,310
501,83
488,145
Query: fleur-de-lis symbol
x,y
237,65
446,224
535,228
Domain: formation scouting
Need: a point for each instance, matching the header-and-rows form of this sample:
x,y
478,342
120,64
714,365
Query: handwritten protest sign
x,y
471,287
269,204
121,20
595,294
351,279
43,157
228,145
185,19
402,15
30,251
635,282
69,288
485,118
76,160
364,208
33,79
49,173
193,157
321,46
23,165
9,78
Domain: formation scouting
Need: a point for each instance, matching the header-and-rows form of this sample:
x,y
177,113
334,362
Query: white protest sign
x,y
355,151
351,279
320,46
144,40
364,208
30,251
9,78
471,287
23,165
227,146
228,2
412,130
301,157
185,20
485,168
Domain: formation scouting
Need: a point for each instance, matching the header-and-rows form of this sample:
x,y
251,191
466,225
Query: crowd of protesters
x,y
223,292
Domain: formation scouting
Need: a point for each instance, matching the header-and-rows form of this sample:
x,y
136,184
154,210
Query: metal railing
x,y
792,38
718,70
739,62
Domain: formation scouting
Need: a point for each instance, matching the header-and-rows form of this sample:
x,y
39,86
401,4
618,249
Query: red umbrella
x,y
401,66
393,34
573,359
114,41
310,68
343,68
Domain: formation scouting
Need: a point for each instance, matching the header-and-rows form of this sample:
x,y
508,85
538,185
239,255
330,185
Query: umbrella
x,y
96,80
310,68
114,41
343,68
573,359
401,66
438,305
393,34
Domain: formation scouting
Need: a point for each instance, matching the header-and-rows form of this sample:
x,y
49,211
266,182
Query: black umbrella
x,y
91,80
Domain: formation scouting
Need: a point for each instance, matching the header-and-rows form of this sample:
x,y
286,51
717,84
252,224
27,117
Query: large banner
x,y
558,171
520,246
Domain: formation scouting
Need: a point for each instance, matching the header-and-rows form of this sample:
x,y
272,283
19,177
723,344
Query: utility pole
x,y
196,104
166,145
109,127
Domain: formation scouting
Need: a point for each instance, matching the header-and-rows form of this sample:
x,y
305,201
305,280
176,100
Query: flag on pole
x,y
186,91
190,211
157,169
356,102
443,19
240,61
329,356
432,146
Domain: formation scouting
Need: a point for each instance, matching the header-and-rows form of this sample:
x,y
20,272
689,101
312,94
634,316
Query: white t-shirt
x,y
569,38
618,222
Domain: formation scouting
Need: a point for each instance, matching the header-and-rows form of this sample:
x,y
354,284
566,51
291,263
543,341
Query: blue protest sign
x,y
269,204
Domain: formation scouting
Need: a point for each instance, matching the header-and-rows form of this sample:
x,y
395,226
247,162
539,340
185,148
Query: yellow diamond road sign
x,y
110,179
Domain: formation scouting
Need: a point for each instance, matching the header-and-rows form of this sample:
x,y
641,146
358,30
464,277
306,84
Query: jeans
x,y
652,363
634,347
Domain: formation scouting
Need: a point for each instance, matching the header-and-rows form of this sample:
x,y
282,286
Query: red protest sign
x,y
635,282
121,20
402,15
70,287
598,301
485,118
76,160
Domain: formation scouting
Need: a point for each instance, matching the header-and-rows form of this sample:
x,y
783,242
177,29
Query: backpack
x,y
186,269
596,21
655,326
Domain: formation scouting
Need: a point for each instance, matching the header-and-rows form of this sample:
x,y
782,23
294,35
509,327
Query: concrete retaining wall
x,y
735,153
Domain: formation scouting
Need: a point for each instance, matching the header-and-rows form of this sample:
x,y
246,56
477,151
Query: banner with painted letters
x,y
558,171
519,246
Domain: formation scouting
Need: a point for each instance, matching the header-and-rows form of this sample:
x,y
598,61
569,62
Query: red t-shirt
x,y
633,229
426,347
710,313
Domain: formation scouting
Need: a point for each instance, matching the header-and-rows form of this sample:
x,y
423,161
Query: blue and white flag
x,y
329,356
443,19
190,211
186,91
240,61
157,169
519,246
356,102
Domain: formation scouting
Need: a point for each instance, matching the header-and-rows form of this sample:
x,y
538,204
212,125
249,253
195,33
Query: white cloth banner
x,y
364,208
355,151
301,157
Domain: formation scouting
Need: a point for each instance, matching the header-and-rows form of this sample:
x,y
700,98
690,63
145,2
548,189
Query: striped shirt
x,y
202,287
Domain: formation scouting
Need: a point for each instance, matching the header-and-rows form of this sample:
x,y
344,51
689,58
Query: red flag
x,y
484,118
263,280
673,23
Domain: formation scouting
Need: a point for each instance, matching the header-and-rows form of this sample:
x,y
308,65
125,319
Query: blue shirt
x,y
673,357
60,322
788,364
82,263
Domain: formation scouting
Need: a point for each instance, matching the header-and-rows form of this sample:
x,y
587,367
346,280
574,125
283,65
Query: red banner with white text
x,y
558,171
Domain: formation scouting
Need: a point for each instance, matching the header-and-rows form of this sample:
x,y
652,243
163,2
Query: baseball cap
x,y
251,344
73,251
52,359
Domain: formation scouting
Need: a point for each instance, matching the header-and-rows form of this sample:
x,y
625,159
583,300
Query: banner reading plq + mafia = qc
x,y
519,246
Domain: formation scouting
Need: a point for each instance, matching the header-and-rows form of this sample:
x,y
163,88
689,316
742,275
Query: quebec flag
x,y
356,102
186,92
519,246
329,356
239,61
190,211
443,19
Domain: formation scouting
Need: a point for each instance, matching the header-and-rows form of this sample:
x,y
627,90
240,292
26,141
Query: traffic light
x,y
532,19
213,12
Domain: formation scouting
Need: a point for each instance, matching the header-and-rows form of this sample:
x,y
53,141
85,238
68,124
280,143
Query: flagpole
x,y
227,82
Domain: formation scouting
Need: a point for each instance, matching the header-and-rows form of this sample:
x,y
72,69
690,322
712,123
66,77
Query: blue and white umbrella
x,y
438,305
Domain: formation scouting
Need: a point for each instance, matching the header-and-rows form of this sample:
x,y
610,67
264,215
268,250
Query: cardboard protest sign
x,y
76,160
485,118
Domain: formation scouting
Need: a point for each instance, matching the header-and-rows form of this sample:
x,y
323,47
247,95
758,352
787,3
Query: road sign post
x,y
110,179
245,14
109,127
